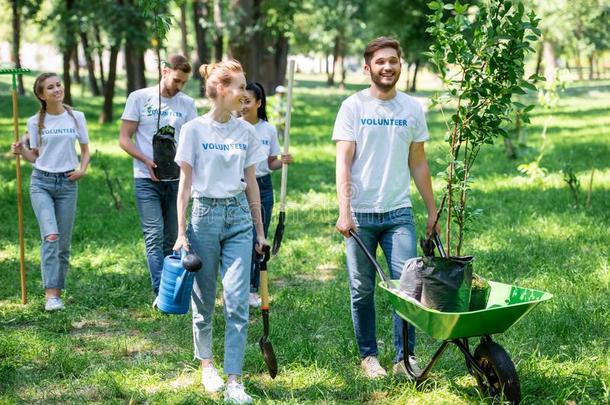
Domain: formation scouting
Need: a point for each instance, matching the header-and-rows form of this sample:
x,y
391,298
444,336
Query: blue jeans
x,y
156,202
266,191
53,199
394,231
220,233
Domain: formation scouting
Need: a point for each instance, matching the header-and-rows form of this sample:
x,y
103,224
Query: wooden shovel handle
x,y
287,137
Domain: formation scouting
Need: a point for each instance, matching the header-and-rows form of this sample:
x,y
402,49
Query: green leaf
x,y
434,5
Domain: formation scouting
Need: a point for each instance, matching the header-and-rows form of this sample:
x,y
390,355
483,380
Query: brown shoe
x,y
371,367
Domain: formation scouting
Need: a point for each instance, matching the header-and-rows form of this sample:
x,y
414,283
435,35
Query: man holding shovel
x,y
380,134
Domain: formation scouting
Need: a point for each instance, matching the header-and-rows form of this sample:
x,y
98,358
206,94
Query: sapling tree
x,y
479,52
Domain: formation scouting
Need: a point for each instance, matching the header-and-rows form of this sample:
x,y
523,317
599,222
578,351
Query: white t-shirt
x,y
57,153
267,135
383,130
218,153
142,106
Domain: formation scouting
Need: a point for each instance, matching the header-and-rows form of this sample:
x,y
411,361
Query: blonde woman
x,y
218,154
53,187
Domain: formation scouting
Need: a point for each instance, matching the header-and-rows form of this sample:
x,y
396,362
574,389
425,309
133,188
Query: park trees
x,y
331,28
20,9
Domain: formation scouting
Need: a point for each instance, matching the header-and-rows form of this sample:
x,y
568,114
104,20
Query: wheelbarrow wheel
x,y
500,379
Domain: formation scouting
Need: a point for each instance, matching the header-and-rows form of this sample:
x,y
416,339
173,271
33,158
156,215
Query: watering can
x,y
176,284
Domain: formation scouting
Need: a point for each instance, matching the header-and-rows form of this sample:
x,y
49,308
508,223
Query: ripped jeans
x,y
53,198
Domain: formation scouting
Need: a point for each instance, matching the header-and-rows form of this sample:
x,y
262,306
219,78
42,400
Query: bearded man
x,y
380,134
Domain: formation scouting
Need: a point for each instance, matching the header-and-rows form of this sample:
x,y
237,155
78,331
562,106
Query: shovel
x,y
14,73
264,343
279,230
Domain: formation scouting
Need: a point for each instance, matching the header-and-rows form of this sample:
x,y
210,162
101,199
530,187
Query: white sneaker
x,y
371,367
400,370
54,304
254,300
210,379
236,394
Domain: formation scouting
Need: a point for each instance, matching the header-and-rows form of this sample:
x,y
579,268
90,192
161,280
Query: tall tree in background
x,y
572,30
259,38
116,27
333,28
67,29
183,28
218,30
136,43
22,10
201,14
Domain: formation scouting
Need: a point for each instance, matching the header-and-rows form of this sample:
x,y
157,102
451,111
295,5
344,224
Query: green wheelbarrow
x,y
489,364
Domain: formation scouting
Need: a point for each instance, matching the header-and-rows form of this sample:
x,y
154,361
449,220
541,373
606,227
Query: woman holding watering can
x,y
218,154
53,188
254,111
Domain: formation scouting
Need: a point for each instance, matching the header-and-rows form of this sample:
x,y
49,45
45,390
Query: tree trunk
x,y
241,44
407,72
549,62
76,65
67,57
281,62
93,86
184,42
510,149
539,55
343,72
134,67
579,65
330,81
415,71
201,11
218,31
17,44
100,55
106,115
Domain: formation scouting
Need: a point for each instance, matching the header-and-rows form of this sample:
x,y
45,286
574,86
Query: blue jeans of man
x,y
266,192
394,231
220,233
156,202
53,198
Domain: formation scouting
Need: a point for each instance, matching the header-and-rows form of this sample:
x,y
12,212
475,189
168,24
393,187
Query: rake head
x,y
14,71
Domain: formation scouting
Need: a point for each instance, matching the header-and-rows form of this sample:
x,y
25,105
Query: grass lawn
x,y
109,345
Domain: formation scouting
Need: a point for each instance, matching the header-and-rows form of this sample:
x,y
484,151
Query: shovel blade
x,y
279,234
268,355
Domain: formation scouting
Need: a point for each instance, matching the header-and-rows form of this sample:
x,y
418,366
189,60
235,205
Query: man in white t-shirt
x,y
380,134
156,197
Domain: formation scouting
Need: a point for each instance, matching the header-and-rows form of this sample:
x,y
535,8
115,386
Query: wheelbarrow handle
x,y
368,254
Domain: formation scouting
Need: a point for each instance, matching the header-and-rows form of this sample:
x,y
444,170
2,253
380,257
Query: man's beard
x,y
385,87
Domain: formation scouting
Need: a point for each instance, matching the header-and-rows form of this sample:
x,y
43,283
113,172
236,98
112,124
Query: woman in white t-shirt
x,y
218,154
53,188
254,111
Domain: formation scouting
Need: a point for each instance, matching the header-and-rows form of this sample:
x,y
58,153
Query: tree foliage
x,y
479,54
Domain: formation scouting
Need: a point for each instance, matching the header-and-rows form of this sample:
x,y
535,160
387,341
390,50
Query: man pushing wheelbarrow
x,y
380,134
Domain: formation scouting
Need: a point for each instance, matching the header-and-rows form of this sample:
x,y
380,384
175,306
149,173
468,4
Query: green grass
x,y
109,346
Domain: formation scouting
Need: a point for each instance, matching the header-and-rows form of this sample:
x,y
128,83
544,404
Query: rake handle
x,y
15,72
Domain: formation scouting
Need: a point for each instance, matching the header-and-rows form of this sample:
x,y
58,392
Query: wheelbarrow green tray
x,y
507,304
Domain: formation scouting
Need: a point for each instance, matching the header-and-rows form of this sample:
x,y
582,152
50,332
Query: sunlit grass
x,y
109,346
